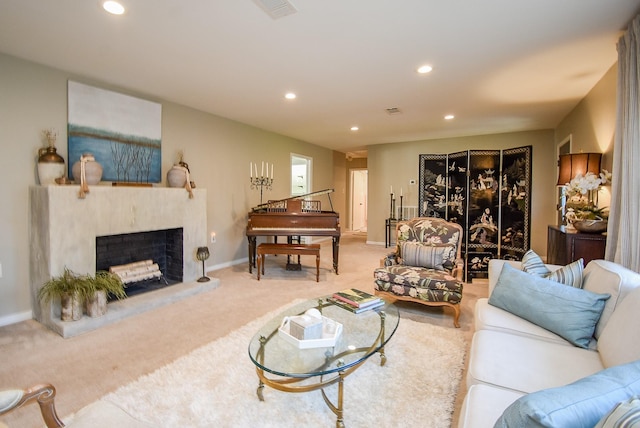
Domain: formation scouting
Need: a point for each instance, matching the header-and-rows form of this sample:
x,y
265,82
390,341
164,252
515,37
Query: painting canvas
x,y
122,132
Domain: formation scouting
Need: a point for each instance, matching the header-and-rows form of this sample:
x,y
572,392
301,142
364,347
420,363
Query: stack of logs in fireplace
x,y
137,271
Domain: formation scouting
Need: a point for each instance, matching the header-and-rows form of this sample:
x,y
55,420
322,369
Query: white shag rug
x,y
215,386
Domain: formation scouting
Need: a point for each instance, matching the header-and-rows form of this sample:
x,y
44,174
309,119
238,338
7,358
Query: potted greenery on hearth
x,y
71,289
99,287
82,291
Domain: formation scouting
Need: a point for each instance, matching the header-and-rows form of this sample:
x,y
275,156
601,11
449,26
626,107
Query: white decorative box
x,y
305,327
331,331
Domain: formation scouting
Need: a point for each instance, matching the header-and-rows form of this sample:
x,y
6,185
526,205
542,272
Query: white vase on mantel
x,y
178,175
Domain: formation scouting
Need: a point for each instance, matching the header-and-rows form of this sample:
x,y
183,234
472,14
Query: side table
x,y
565,245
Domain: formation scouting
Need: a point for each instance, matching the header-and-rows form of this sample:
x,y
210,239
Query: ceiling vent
x,y
393,110
276,8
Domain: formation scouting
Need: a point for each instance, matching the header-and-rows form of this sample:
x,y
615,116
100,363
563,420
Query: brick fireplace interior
x,y
163,247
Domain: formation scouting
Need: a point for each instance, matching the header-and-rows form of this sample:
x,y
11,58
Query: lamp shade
x,y
569,166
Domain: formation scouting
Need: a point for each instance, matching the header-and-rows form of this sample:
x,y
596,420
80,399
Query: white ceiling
x,y
499,65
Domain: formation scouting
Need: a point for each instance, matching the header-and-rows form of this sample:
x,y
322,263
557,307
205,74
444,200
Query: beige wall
x,y
218,151
591,125
396,164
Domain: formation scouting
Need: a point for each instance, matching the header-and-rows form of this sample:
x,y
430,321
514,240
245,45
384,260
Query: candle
x,y
251,169
262,172
401,191
391,189
255,169
272,171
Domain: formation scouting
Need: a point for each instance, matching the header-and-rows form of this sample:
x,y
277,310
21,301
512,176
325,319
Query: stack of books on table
x,y
355,300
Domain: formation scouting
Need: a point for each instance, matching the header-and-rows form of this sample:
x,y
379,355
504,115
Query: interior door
x,y
359,179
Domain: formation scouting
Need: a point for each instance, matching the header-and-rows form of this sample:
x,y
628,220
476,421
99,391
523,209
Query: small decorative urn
x,y
87,170
178,175
50,163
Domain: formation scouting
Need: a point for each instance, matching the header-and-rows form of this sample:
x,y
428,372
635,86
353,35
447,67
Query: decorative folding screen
x,y
487,192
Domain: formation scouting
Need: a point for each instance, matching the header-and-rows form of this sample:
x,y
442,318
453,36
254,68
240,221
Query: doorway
x,y
359,179
300,174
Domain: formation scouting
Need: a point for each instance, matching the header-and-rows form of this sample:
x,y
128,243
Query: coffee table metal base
x,y
287,384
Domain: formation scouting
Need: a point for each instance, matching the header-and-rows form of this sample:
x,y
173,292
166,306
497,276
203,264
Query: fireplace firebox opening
x,y
164,247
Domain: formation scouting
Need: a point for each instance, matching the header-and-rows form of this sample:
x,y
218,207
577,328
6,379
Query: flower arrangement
x,y
580,196
50,135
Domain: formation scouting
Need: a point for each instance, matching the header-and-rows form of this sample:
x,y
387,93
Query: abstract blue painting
x,y
122,132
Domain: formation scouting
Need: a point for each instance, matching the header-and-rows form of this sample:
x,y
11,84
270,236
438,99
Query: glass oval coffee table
x,y
283,363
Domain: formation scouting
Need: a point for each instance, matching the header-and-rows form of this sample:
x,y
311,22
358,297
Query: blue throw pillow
x,y
571,313
580,404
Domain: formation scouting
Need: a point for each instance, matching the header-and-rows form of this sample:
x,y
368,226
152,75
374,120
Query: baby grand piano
x,y
293,217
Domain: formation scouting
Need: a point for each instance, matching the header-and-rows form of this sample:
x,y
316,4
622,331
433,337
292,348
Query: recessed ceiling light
x,y
290,96
113,7
354,128
449,117
425,69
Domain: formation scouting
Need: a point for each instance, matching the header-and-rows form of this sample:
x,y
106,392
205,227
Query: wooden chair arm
x,y
458,269
389,260
44,394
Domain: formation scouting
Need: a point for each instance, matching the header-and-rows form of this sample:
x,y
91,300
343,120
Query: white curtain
x,y
623,234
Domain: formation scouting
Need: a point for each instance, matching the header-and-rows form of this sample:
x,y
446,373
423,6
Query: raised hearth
x,y
64,229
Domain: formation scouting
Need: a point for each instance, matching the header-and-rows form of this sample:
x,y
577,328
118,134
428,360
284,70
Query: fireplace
x,y
68,232
162,247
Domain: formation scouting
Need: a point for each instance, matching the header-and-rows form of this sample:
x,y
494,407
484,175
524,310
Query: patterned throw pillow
x,y
625,414
533,264
427,256
570,274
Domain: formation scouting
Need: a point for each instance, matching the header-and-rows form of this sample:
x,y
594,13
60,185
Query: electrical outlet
x,y
213,237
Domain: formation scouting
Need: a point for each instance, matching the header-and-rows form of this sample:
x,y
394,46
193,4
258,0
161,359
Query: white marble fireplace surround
x,y
63,234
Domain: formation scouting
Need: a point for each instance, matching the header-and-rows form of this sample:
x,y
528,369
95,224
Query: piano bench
x,y
288,249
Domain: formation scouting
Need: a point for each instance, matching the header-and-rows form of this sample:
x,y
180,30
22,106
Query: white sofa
x,y
511,357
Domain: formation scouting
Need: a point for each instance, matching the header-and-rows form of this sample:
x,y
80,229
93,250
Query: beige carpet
x,y
87,367
214,386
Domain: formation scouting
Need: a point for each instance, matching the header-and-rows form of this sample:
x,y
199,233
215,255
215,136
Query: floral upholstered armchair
x,y
426,266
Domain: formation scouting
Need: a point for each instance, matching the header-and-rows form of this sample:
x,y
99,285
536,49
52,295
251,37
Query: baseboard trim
x,y
15,318
226,264
377,243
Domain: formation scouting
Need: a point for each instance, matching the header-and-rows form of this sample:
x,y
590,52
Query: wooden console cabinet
x,y
565,246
